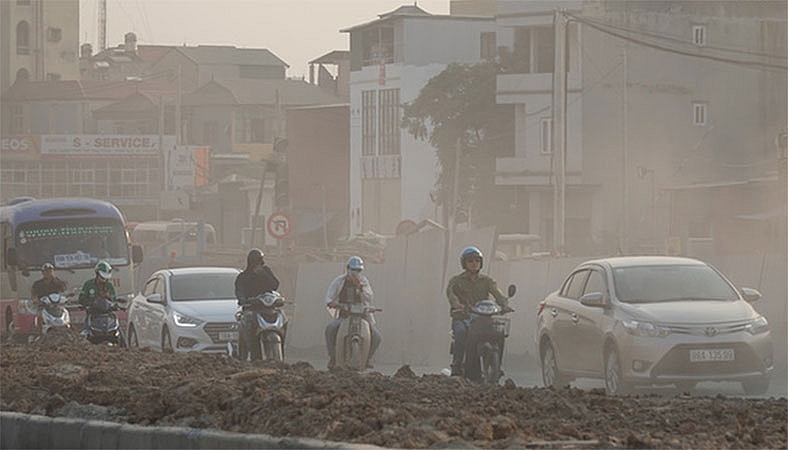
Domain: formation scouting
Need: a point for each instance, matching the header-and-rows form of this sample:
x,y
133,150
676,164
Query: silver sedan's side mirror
x,y
750,295
593,299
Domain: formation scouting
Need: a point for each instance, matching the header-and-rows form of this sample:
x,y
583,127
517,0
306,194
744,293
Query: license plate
x,y
228,335
712,354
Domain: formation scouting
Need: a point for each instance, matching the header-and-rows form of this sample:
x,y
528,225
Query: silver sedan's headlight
x,y
758,325
183,320
644,329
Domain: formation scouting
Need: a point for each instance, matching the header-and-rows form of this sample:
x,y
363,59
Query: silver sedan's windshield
x,y
203,286
670,283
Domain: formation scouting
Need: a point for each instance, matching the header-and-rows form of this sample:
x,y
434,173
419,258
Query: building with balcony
x,y
39,40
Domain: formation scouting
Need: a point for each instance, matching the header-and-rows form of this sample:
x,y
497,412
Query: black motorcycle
x,y
485,340
102,324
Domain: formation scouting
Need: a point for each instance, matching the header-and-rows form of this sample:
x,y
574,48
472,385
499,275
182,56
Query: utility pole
x,y
559,132
623,243
178,119
102,25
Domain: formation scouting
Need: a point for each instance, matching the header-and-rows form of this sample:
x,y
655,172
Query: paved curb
x,y
23,431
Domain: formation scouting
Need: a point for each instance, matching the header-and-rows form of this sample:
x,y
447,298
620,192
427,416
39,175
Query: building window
x,y
546,135
389,142
773,38
699,35
534,50
17,119
488,46
378,45
54,34
23,38
699,114
369,115
83,181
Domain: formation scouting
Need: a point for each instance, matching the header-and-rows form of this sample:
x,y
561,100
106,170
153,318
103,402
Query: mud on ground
x,y
66,376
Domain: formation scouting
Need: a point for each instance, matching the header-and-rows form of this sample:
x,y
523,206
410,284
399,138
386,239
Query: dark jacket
x,y
43,287
251,284
467,288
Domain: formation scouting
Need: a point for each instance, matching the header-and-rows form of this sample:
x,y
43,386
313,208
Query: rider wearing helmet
x,y
350,287
48,284
256,279
98,287
463,290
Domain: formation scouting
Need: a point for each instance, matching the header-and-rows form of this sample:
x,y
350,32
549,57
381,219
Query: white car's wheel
x,y
614,381
551,375
166,340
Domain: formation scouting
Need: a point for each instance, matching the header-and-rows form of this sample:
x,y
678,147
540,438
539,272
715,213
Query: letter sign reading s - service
x,y
279,225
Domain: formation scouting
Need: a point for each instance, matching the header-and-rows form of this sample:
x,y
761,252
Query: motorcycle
x,y
488,330
270,328
353,337
102,325
53,314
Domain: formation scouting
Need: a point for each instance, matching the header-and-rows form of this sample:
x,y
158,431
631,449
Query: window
x,y
368,122
488,47
596,283
17,124
699,114
699,35
378,45
574,286
546,135
23,38
389,142
54,34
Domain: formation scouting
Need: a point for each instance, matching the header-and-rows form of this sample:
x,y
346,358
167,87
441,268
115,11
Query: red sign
x,y
279,225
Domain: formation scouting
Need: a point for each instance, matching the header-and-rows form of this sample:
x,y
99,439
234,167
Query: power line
x,y
606,29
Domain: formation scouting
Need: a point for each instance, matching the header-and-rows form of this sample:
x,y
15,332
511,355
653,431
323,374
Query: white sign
x,y
181,166
279,225
103,144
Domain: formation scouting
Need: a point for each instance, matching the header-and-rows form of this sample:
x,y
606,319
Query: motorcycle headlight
x,y
182,320
758,325
644,329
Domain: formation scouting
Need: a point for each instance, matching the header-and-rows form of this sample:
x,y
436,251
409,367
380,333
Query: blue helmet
x,y
471,252
355,263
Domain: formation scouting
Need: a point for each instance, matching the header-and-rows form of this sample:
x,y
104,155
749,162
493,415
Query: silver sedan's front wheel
x,y
551,375
614,381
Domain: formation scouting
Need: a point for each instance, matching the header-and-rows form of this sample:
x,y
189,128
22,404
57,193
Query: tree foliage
x,y
458,106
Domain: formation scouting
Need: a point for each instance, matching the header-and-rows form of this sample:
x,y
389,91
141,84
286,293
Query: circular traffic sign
x,y
279,225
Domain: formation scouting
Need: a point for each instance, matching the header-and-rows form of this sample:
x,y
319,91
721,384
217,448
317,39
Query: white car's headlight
x,y
183,320
645,329
758,325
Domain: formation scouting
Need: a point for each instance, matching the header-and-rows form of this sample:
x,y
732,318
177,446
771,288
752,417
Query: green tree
x,y
458,106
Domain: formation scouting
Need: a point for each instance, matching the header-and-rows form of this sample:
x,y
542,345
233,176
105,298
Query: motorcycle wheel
x,y
273,352
122,339
491,366
256,349
355,355
243,351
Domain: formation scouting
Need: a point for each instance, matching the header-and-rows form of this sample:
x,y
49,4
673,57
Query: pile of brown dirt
x,y
65,376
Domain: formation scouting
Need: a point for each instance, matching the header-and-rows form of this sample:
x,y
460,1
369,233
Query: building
x,y
391,59
126,61
670,105
39,40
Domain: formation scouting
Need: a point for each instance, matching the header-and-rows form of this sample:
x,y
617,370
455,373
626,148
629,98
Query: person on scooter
x,y
48,284
463,290
256,279
97,288
348,288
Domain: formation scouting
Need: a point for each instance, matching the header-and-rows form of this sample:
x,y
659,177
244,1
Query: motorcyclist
x,y
48,284
348,288
256,279
462,291
97,288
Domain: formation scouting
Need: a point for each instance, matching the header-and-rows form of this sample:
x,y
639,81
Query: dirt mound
x,y
65,376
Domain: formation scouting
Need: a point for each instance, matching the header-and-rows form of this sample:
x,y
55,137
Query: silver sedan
x,y
653,320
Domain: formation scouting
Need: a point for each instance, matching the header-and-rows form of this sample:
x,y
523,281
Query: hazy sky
x,y
296,31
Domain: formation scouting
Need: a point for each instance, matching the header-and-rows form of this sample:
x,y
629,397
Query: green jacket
x,y
471,288
90,292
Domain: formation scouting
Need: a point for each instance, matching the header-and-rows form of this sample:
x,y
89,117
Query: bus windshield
x,y
72,243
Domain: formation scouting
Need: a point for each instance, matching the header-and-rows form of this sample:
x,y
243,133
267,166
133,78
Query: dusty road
x,y
69,377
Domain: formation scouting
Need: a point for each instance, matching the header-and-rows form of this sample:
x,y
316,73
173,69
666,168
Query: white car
x,y
186,309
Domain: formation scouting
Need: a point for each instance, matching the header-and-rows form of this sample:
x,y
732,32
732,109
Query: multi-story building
x,y
126,61
39,40
391,59
673,110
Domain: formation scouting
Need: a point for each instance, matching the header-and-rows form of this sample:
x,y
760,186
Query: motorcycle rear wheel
x,y
355,355
273,351
491,366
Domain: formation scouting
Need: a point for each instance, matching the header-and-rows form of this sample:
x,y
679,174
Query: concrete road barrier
x,y
25,431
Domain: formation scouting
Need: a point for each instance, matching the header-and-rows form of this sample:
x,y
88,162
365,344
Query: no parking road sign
x,y
279,225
